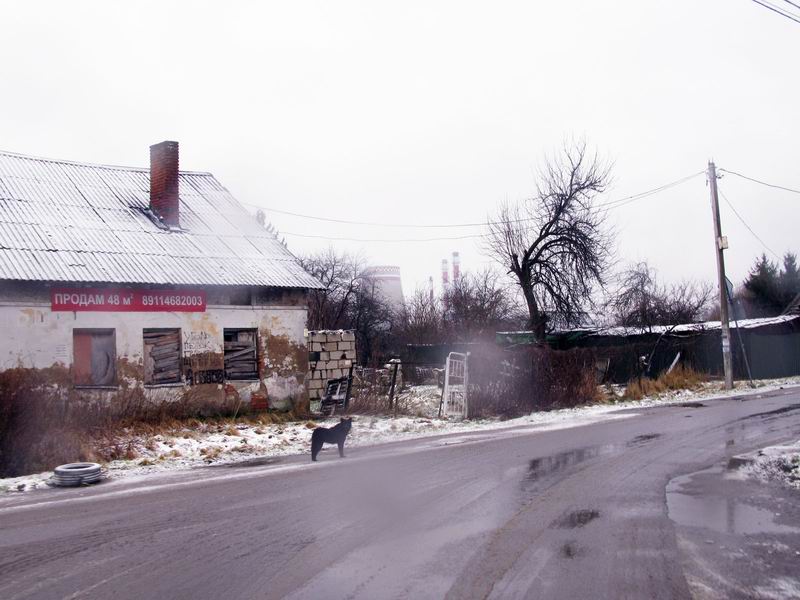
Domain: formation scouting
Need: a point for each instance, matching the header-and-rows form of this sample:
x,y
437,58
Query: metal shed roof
x,y
75,222
526,336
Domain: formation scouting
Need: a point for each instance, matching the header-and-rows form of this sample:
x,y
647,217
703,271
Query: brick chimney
x,y
164,182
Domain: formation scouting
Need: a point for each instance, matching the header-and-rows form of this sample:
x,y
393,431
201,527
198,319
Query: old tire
x,y
74,474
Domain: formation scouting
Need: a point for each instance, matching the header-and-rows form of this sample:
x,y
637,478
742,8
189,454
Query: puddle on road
x,y
773,413
571,550
692,502
254,462
577,518
643,439
539,468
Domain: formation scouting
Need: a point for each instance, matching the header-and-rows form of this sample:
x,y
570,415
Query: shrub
x,y
680,378
512,383
45,422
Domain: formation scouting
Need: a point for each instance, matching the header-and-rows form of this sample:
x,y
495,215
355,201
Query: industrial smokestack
x,y
456,267
445,273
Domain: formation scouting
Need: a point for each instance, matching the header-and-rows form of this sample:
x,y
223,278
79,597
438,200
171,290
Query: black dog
x,y
335,435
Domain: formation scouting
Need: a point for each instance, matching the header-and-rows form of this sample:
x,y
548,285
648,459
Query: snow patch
x,y
777,463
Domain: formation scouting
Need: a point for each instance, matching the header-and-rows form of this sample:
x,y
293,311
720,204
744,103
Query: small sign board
x,y
127,300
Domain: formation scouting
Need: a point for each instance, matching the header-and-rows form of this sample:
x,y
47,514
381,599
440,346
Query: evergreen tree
x,y
763,290
789,279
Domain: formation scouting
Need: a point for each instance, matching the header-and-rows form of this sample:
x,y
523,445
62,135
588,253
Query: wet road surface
x,y
642,506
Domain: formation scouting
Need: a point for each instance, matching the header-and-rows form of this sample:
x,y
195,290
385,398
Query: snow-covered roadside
x,y
777,463
192,447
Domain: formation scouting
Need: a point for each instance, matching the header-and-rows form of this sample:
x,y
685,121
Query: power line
x,y
750,229
778,10
792,3
666,186
610,205
349,239
607,206
772,185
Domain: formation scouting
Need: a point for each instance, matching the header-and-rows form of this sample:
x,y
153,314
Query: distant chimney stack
x,y
164,192
445,273
456,267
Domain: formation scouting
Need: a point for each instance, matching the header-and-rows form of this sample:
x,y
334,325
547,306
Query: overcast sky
x,y
428,112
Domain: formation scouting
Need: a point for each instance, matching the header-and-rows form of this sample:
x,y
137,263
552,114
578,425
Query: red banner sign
x,y
127,300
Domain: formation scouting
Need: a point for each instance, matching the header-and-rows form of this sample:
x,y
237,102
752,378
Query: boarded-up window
x,y
162,356
94,357
241,354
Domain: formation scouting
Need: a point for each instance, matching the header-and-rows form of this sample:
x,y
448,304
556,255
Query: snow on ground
x,y
225,443
777,463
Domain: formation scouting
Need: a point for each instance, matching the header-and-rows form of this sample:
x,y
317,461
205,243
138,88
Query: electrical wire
x,y
349,239
607,206
630,199
777,10
610,205
792,3
750,229
772,185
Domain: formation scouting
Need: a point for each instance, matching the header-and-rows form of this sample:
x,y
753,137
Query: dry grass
x,y
44,422
680,378
211,452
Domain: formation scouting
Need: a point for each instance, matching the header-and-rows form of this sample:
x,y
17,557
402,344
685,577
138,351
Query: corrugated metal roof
x,y
687,328
67,221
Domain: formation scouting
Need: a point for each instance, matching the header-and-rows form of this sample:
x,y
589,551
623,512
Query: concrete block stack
x,y
331,353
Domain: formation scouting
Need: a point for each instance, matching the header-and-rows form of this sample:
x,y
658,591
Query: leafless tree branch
x,y
557,245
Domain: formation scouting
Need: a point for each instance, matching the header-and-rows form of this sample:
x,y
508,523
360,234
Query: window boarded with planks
x,y
162,356
241,353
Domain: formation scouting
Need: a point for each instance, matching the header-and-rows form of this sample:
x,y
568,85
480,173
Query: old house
x,y
118,276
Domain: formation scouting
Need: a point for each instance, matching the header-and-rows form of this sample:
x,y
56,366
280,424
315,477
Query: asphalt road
x,y
641,506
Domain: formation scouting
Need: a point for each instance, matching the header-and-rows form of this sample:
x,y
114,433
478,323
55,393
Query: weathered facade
x,y
116,278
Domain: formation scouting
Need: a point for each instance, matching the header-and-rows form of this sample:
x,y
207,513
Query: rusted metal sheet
x,y
66,221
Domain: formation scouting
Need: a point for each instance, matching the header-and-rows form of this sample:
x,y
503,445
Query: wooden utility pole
x,y
720,244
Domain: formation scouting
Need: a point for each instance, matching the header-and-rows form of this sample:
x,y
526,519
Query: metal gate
x,y
454,395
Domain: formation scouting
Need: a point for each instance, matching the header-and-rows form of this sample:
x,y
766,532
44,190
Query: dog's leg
x,y
341,449
315,448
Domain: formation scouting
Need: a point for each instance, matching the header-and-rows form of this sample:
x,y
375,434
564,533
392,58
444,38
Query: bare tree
x,y
556,245
634,303
687,302
348,301
340,274
641,301
476,305
420,320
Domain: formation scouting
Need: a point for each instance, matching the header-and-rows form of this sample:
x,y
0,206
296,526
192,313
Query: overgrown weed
x,y
680,378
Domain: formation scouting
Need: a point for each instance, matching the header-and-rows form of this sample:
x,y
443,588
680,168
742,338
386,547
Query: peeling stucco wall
x,y
36,337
